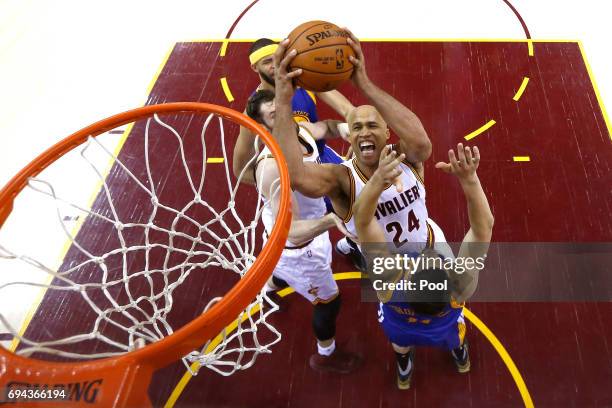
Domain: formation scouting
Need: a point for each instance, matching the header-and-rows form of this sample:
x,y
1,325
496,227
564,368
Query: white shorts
x,y
308,270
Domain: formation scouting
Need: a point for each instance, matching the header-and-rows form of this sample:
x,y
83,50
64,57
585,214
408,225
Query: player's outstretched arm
x,y
388,172
476,242
369,232
244,152
414,141
300,231
327,129
337,102
310,179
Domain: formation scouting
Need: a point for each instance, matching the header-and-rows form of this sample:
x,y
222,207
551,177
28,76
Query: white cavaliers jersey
x,y
308,208
402,216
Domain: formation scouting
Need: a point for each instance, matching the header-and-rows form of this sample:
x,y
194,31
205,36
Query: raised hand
x,y
389,170
282,77
359,76
463,164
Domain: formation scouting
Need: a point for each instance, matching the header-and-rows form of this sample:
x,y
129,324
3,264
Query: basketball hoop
x,y
121,372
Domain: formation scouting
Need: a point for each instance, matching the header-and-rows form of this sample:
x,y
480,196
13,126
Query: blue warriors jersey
x,y
305,109
304,106
405,328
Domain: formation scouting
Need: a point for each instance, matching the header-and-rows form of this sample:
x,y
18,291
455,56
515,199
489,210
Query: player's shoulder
x,y
265,168
343,176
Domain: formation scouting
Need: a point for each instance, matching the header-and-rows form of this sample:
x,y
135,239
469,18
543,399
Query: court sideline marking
x,y
75,230
595,88
516,97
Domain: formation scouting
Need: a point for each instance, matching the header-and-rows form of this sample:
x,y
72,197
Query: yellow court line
x,y
180,386
220,40
514,40
511,40
480,130
224,47
226,90
597,94
503,353
68,243
159,70
521,89
518,379
530,46
521,158
215,160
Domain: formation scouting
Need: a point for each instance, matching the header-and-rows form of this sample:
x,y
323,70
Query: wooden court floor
x,y
546,168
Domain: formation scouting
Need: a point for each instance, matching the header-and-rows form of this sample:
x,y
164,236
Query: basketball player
x,y
304,109
305,263
428,317
303,106
403,216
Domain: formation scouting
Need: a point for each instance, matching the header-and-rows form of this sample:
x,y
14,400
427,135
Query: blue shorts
x,y
422,330
328,155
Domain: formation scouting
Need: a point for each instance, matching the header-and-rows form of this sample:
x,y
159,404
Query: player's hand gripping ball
x,y
322,54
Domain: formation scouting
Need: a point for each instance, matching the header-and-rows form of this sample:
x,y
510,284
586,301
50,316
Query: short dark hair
x,y
429,302
255,101
262,42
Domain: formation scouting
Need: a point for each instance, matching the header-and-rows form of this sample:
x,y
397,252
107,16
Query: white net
x,y
167,234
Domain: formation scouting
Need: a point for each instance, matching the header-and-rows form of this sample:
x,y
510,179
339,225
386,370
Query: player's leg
x,y
403,341
405,365
321,289
329,356
457,342
460,352
273,285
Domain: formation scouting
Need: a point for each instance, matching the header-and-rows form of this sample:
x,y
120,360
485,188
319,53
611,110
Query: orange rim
x,y
127,376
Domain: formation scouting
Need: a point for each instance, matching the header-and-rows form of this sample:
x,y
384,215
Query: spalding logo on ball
x,y
322,54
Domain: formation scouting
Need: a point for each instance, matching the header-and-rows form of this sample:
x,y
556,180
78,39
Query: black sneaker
x,y
355,256
461,356
404,377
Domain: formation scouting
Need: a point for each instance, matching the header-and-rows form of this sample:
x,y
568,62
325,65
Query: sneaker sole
x,y
403,385
324,369
465,368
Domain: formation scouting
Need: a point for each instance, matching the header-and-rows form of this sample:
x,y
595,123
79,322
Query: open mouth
x,y
367,148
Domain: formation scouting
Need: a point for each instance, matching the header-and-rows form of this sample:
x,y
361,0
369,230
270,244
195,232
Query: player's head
x,y
260,107
431,294
424,299
261,59
368,134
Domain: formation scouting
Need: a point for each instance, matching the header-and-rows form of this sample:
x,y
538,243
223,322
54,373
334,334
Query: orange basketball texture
x,y
322,54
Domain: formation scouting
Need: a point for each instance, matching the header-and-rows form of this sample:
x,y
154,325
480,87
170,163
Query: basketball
x,y
322,54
